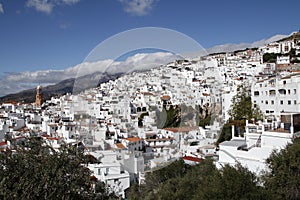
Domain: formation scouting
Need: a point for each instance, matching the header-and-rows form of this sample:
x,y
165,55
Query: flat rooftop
x,y
234,143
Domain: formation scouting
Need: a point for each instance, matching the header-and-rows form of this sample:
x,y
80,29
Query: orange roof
x,y
120,146
166,97
11,102
133,139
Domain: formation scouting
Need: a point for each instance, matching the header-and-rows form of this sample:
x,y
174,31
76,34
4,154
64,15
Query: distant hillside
x,y
61,88
293,36
235,47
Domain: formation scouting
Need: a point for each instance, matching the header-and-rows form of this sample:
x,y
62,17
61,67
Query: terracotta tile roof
x,y
166,98
190,158
134,139
120,146
11,102
45,135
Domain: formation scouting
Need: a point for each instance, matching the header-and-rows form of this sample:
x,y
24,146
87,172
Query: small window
x,y
256,93
289,91
295,102
282,91
267,102
295,91
272,92
281,102
272,102
284,82
289,102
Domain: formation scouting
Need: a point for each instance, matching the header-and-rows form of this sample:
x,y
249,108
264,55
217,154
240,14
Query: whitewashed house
x,y
259,141
110,172
277,94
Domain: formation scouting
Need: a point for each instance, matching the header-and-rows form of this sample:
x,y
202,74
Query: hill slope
x,y
61,88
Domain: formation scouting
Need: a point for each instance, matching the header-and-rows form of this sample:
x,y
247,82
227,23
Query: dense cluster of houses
x,y
117,122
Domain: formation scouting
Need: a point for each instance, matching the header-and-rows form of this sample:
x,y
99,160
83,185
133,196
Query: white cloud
x,y
15,82
41,5
46,6
138,7
1,9
142,61
70,2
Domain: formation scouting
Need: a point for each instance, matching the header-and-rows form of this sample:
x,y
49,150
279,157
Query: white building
x,y
259,142
110,172
276,94
283,60
271,48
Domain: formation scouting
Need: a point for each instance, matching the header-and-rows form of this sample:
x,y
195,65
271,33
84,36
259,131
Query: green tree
x,y
34,170
242,108
203,181
235,183
283,178
225,134
270,57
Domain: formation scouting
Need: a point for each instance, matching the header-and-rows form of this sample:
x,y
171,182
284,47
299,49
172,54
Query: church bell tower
x,y
39,97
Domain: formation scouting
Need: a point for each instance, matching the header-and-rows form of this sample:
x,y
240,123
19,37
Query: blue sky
x,y
56,34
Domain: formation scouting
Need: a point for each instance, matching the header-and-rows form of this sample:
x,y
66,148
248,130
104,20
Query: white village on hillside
x,y
125,123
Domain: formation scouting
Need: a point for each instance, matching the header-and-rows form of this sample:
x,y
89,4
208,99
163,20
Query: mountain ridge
x,y
61,88
233,47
